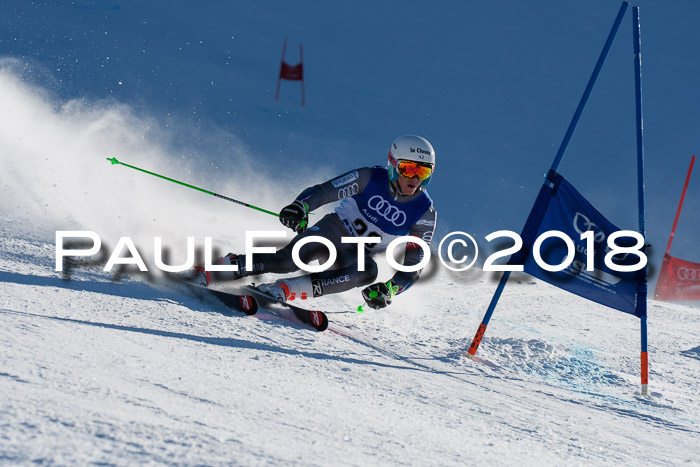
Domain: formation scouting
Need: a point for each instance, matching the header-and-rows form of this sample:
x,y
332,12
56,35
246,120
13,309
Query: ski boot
x,y
290,289
204,278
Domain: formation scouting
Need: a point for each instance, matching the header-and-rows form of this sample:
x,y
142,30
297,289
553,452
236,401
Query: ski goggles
x,y
410,169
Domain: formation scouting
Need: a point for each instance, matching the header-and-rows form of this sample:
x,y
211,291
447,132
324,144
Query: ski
x,y
245,303
314,318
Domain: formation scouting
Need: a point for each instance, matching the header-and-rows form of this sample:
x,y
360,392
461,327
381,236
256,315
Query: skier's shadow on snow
x,y
220,341
118,289
145,291
137,290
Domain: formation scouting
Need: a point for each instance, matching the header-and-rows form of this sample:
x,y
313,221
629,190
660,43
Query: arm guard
x,y
344,186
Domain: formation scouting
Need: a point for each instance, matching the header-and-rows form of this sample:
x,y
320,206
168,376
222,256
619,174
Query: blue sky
x,y
492,85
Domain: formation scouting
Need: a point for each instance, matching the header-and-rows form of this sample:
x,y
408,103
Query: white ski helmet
x,y
410,148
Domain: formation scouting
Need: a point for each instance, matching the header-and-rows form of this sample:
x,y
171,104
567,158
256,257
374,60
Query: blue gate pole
x,y
642,275
487,317
555,165
589,86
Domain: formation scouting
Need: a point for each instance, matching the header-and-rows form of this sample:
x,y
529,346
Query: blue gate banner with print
x,y
560,207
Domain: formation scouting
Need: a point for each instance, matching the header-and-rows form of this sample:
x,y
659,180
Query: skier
x,y
375,202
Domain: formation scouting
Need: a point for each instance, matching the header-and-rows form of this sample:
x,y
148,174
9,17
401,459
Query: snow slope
x,y
96,371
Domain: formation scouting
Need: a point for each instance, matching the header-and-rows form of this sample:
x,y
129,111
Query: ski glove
x,y
295,216
379,295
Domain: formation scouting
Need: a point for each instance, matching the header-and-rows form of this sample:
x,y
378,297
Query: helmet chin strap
x,y
397,187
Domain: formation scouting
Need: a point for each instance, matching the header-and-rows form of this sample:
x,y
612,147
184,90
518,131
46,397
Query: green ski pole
x,y
114,161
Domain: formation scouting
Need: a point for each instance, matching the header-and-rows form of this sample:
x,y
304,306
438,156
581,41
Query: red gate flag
x,y
291,72
679,280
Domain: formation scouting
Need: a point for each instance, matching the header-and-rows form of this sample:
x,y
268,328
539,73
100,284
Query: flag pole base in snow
x,y
477,339
645,373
